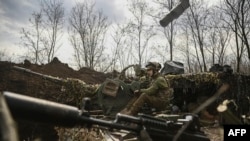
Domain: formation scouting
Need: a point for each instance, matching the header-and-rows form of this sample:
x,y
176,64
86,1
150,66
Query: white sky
x,y
14,15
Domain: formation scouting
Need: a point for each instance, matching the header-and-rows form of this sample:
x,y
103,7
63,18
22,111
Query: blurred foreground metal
x,y
142,126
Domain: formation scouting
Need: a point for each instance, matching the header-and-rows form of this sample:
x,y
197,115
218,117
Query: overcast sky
x,y
15,14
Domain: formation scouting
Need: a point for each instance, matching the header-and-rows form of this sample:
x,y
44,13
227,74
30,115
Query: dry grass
x,y
214,133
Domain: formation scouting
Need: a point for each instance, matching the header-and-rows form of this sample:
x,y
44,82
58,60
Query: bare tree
x,y
190,53
196,18
53,11
213,43
169,31
238,18
119,48
90,26
187,27
185,48
245,65
31,38
244,23
76,44
218,37
3,55
140,31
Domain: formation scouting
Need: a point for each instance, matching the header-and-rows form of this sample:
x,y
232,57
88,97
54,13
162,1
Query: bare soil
x,y
37,86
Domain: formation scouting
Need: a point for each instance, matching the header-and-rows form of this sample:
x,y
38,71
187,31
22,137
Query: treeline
x,y
203,35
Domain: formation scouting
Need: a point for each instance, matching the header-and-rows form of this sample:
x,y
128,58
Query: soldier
x,y
157,95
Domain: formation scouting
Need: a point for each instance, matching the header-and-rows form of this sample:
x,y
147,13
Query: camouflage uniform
x,y
157,95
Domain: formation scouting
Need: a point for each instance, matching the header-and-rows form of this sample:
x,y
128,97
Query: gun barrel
x,y
34,109
121,117
175,13
43,111
44,76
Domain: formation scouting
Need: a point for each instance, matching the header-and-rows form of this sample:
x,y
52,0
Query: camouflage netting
x,y
192,86
68,87
62,84
76,90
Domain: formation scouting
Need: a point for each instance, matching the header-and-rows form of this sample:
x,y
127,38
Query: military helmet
x,y
153,65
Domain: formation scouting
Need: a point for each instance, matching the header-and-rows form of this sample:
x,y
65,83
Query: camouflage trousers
x,y
136,103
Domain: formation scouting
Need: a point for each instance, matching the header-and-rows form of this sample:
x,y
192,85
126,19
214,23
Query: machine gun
x,y
43,111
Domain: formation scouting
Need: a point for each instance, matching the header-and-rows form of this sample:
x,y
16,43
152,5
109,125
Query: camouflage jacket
x,y
159,87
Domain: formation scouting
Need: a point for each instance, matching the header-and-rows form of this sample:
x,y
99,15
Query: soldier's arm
x,y
158,84
162,83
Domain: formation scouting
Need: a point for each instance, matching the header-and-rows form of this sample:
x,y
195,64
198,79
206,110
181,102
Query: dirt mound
x,y
69,91
58,69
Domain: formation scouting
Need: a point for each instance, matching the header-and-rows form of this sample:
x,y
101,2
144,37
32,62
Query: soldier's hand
x,y
137,92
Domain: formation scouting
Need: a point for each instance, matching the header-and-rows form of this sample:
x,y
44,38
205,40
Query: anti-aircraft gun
x,y
189,89
110,97
114,94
